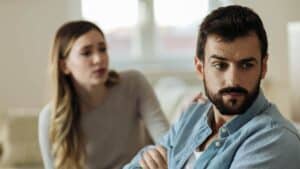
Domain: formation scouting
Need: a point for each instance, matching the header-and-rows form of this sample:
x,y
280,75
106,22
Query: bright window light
x,y
179,13
175,21
110,14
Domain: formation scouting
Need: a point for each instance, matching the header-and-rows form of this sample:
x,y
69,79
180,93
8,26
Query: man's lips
x,y
233,94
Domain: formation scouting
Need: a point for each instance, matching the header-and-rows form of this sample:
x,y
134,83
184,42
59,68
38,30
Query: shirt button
x,y
223,130
218,144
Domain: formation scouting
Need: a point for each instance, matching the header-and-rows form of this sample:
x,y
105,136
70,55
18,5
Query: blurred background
x,y
157,37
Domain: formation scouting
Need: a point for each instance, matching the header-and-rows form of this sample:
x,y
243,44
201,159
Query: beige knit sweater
x,y
128,119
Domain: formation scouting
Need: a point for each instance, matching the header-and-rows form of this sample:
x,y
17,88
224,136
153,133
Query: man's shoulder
x,y
271,126
272,119
269,134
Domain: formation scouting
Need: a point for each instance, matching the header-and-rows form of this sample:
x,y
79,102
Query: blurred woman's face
x,y
87,62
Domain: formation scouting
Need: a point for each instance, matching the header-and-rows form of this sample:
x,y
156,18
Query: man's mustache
x,y
233,89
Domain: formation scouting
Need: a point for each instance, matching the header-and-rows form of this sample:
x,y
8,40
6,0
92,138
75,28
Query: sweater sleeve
x,y
43,135
150,109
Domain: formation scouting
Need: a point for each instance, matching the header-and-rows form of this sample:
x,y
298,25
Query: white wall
x,y
276,14
27,29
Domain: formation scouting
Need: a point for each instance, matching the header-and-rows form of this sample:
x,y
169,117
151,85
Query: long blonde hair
x,y
67,140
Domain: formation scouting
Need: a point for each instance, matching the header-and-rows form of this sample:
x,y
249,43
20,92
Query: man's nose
x,y
233,76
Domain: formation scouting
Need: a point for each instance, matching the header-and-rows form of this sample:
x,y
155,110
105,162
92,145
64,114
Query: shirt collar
x,y
258,106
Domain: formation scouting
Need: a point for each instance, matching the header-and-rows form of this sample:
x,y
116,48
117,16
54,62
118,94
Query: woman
x,y
97,118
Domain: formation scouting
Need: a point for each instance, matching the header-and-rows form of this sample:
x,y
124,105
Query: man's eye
x,y
102,49
247,65
220,66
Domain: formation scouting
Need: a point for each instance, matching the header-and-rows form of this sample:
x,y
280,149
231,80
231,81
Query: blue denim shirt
x,y
260,138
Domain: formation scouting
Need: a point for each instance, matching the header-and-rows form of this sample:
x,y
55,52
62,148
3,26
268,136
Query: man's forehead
x,y
240,48
229,38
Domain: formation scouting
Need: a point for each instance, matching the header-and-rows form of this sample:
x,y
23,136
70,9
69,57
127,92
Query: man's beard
x,y
217,99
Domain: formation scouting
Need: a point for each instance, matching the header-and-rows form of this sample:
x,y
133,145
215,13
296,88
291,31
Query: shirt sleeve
x,y
166,141
43,136
268,150
150,109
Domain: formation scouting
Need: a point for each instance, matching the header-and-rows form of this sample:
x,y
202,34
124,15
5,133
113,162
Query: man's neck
x,y
220,119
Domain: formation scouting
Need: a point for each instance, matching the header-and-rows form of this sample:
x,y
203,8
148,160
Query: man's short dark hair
x,y
229,23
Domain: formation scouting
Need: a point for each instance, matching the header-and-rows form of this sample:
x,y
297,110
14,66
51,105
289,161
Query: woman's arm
x,y
150,108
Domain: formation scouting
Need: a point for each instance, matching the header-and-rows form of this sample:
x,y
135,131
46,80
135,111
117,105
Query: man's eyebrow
x,y
101,44
249,59
218,57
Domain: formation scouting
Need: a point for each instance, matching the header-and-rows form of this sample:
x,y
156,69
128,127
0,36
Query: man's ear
x,y
264,67
63,67
199,65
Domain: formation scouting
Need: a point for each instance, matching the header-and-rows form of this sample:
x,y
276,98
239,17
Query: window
x,y
177,24
116,18
148,31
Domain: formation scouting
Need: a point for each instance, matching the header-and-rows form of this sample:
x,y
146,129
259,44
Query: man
x,y
237,128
